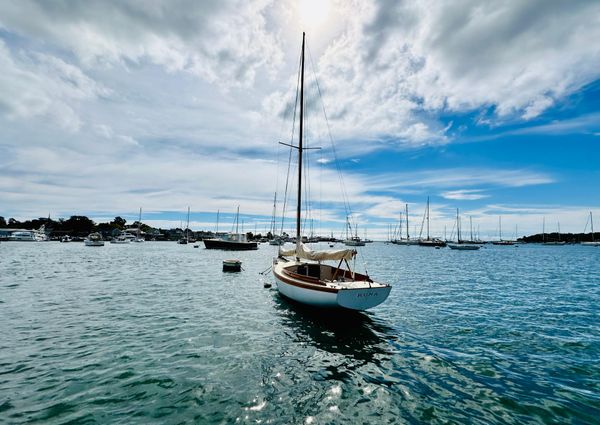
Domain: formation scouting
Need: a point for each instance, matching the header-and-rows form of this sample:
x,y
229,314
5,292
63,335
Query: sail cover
x,y
308,254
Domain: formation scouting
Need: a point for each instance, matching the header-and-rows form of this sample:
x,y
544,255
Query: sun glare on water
x,y
313,13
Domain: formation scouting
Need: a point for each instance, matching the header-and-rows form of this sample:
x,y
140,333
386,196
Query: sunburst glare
x,y
313,13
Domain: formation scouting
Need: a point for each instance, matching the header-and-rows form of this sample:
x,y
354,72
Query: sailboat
x,y
408,240
231,241
501,241
459,243
275,240
352,240
138,237
300,273
545,242
185,239
430,242
593,242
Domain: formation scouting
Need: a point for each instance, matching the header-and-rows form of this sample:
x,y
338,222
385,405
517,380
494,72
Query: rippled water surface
x,y
157,333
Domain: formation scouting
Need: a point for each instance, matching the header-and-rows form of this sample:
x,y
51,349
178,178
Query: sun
x,y
313,13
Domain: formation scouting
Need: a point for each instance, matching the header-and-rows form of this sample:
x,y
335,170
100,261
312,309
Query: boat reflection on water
x,y
349,333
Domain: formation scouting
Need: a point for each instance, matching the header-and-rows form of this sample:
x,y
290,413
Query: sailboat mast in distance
x,y
457,227
407,237
500,226
139,223
471,226
187,229
428,218
543,229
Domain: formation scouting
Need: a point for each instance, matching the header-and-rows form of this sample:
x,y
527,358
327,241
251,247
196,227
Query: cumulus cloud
x,y
517,57
396,65
223,42
35,84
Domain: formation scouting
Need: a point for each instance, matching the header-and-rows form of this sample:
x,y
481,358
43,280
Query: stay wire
x,y
345,197
284,210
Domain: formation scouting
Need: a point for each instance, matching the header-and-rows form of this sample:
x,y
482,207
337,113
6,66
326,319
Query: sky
x,y
491,107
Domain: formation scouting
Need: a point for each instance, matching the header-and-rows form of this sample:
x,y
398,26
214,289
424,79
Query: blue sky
x,y
492,108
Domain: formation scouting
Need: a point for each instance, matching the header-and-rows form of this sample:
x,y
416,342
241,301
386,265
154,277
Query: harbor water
x,y
157,333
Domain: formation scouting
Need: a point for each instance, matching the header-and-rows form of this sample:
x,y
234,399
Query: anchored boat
x,y
300,274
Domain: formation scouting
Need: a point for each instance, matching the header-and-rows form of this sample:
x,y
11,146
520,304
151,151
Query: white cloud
x,y
39,85
464,195
222,42
458,177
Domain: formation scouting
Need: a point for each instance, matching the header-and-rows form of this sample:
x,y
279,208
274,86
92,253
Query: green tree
x,y
118,222
79,225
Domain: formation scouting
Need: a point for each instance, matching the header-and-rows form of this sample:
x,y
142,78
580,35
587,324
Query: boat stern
x,y
363,298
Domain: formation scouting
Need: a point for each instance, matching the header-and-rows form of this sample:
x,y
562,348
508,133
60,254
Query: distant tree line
x,y
76,225
81,226
555,237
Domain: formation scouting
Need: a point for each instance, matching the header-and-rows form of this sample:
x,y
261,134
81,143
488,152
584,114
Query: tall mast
x,y
559,231
187,229
457,227
139,223
471,226
407,237
272,230
428,218
500,226
299,207
217,231
544,229
237,219
592,222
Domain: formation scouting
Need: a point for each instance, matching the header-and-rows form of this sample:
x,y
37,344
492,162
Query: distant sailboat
x,y
408,240
233,241
501,241
352,240
138,237
186,238
460,245
557,242
545,242
300,273
593,242
430,242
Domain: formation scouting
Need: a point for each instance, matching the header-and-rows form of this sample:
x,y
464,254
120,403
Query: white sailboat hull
x,y
591,243
306,296
358,295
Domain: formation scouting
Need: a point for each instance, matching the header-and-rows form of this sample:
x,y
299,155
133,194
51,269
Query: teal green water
x,y
157,333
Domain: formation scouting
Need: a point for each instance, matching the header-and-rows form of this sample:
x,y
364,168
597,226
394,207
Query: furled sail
x,y
308,254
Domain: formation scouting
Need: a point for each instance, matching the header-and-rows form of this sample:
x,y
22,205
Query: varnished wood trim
x,y
312,286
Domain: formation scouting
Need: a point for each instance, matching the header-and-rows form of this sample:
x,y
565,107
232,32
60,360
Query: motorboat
x,y
94,239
